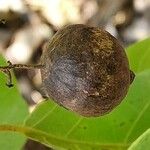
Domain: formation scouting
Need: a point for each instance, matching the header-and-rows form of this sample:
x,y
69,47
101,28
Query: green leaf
x,y
142,143
138,55
113,131
13,110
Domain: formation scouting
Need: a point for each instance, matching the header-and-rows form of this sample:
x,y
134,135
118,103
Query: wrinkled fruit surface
x,y
86,70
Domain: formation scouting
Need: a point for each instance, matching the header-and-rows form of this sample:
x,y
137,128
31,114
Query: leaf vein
x,y
73,127
40,120
136,121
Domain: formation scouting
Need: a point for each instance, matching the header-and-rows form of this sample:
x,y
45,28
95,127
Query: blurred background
x,y
26,25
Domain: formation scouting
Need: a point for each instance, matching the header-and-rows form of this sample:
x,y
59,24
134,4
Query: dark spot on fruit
x,y
111,69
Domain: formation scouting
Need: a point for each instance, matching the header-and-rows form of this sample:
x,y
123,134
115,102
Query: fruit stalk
x,y
7,69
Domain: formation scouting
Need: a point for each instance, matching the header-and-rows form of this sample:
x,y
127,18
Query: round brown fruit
x,y
85,70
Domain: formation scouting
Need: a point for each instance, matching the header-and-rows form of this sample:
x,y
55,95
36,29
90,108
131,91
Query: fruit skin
x,y
85,70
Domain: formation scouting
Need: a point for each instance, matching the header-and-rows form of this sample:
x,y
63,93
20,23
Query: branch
x,y
7,70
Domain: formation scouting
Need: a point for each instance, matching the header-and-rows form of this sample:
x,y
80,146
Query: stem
x,y
7,69
20,66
